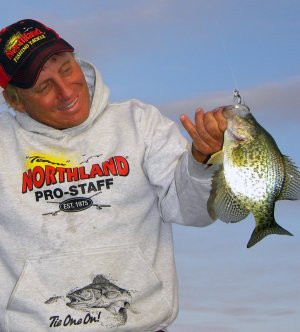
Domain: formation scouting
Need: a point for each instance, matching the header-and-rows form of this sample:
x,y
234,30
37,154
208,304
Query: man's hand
x,y
207,132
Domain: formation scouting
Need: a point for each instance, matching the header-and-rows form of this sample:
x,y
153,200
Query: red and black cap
x,y
25,46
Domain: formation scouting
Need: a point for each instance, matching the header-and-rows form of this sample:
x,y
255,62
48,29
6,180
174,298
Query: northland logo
x,y
20,42
46,178
47,175
12,44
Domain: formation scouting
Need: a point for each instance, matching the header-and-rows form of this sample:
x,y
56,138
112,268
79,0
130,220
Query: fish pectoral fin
x,y
116,307
260,232
291,184
217,158
112,309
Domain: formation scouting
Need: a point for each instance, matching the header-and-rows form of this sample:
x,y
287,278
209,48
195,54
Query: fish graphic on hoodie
x,y
103,297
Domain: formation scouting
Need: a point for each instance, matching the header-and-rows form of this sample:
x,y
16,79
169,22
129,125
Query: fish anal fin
x,y
259,233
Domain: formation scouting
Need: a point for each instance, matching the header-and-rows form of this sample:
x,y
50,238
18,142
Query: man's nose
x,y
64,89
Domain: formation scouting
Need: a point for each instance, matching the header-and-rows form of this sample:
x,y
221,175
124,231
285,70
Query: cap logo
x,y
11,43
25,46
20,42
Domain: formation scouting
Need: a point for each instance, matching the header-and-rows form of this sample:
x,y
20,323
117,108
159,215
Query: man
x,y
90,190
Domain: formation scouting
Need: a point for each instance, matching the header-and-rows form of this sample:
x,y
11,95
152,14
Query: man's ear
x,y
14,101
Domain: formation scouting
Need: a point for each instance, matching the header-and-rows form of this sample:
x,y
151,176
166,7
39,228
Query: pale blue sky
x,y
181,54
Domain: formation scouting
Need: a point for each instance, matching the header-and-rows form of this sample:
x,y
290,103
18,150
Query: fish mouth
x,y
73,301
76,301
231,111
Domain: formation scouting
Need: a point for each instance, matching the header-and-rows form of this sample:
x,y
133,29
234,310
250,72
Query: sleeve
x,y
181,183
188,193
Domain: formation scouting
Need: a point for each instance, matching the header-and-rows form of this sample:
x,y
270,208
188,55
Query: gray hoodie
x,y
86,218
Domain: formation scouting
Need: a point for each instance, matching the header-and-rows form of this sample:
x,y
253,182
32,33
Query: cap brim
x,y
25,78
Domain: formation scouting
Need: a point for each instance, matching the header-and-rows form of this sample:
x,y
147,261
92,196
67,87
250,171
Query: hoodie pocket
x,y
105,288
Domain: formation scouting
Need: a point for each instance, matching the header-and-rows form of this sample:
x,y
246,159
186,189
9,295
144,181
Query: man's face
x,y
60,97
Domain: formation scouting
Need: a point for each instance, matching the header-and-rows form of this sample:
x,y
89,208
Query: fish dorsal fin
x,y
291,184
99,279
217,158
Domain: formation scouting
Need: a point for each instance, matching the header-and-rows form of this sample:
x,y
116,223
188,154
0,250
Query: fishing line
x,y
229,65
226,55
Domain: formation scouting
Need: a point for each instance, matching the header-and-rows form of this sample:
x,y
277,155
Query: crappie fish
x,y
253,175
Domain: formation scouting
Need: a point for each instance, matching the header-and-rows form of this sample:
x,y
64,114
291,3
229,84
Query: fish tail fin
x,y
259,233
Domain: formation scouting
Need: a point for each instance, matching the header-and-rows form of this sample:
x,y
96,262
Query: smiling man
x,y
90,190
60,91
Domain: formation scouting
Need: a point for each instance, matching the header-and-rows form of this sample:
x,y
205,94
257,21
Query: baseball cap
x,y
25,46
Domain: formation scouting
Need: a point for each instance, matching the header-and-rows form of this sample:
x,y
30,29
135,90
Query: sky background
x,y
181,54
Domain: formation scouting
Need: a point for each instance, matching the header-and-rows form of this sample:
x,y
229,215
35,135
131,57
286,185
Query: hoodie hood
x,y
99,94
